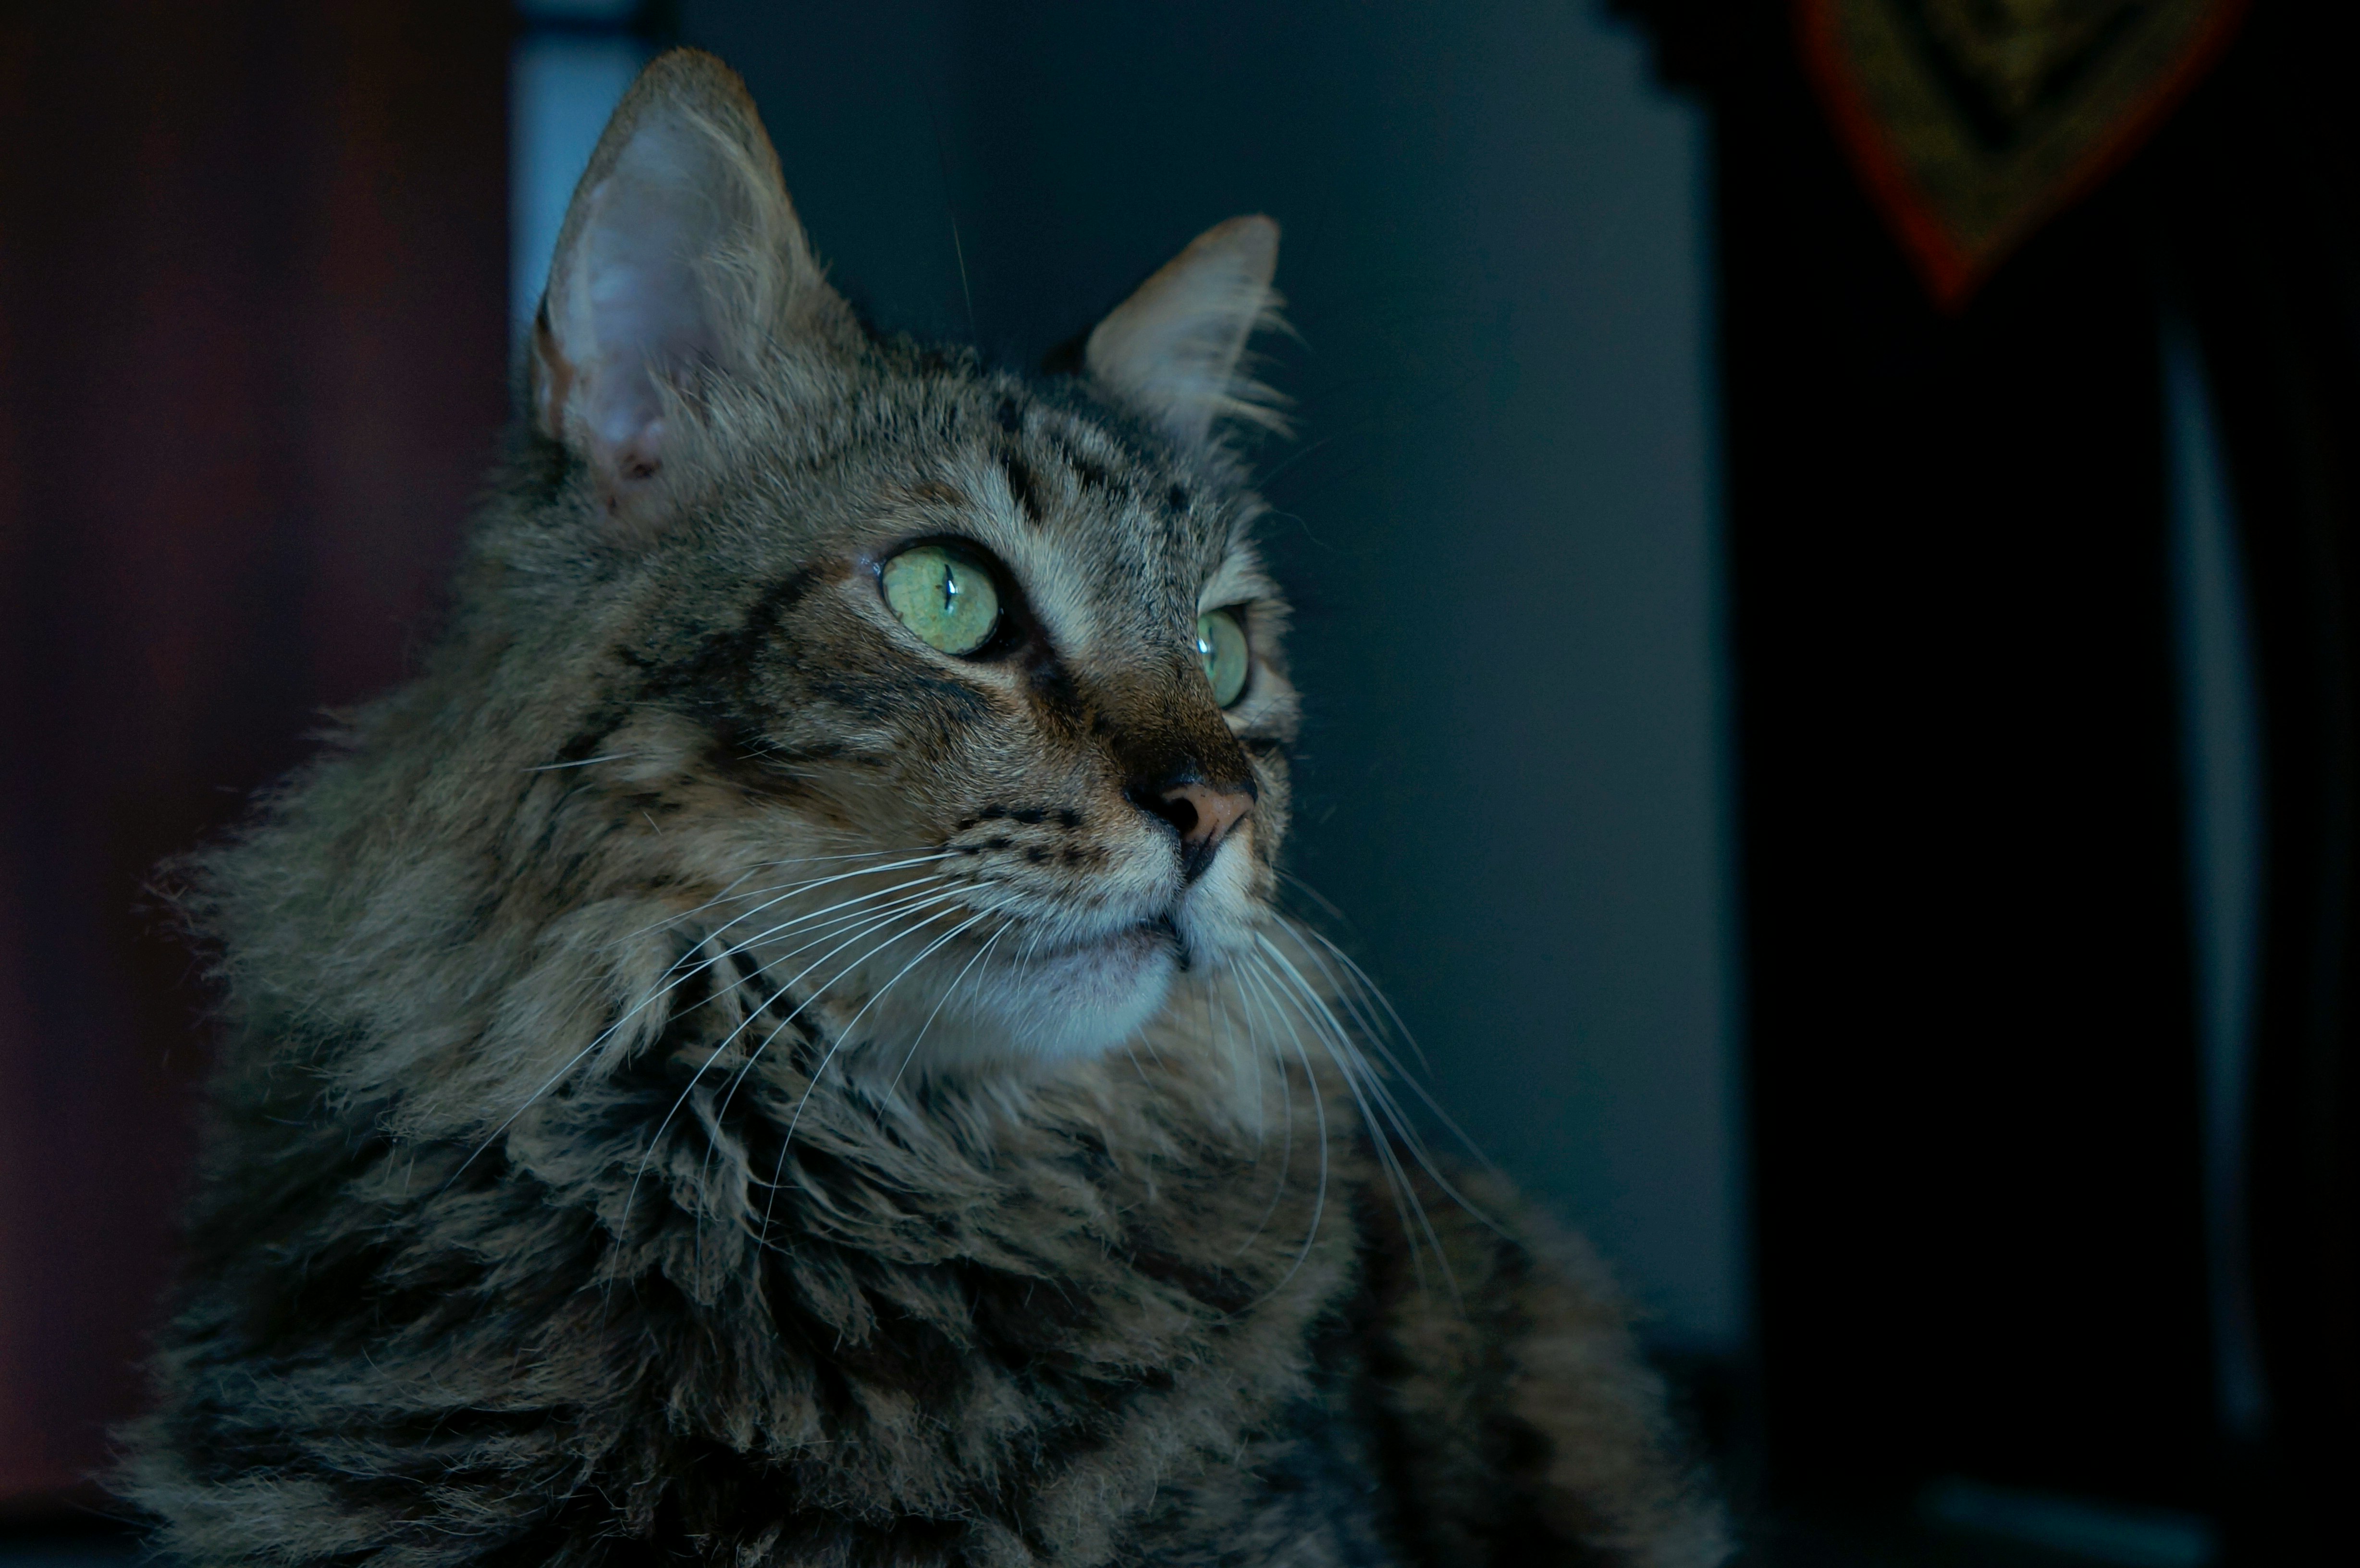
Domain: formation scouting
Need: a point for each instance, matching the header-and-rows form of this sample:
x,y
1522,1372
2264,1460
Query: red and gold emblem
x,y
1973,122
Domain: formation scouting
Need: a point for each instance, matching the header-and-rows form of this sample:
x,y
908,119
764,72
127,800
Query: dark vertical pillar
x,y
2264,230
1978,1239
252,362
1973,1054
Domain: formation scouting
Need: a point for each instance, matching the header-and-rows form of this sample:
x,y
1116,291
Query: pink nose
x,y
1205,815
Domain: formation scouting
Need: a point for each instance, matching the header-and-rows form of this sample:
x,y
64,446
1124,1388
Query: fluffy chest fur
x,y
1028,1328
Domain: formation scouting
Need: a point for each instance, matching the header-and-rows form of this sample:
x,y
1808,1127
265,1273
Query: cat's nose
x,y
1202,814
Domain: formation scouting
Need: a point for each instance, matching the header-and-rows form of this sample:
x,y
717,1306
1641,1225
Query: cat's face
x,y
952,704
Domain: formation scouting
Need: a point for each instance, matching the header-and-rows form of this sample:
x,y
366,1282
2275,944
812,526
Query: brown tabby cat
x,y
777,1048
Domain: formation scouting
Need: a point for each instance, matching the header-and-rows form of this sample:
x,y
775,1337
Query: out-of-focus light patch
x,y
2102,1532
2221,748
562,87
617,11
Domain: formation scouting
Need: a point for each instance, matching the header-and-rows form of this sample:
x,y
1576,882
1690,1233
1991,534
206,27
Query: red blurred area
x,y
252,359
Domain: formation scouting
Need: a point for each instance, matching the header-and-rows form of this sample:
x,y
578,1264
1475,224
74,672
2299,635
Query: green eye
x,y
944,594
1221,645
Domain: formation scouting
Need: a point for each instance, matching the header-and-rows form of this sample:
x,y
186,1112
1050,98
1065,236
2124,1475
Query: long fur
x,y
650,1127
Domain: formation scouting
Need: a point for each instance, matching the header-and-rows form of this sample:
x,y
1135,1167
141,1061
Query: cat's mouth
x,y
1166,929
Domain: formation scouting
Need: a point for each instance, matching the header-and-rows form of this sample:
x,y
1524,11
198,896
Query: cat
x,y
780,1047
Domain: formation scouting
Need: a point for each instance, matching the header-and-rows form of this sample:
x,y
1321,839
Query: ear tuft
x,y
1175,349
679,255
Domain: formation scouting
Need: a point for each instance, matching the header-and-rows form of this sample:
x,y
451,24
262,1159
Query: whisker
x,y
663,990
586,762
1359,977
1315,896
1406,1203
785,890
677,977
829,920
656,1137
948,991
1286,1148
1319,1199
739,1078
1410,1137
782,891
846,1032
786,1139
823,989
1369,1096
706,1168
780,929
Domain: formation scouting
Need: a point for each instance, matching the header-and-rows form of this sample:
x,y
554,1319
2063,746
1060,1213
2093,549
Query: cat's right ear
x,y
679,255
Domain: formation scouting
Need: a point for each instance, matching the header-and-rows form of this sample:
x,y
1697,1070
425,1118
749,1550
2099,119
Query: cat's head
x,y
952,702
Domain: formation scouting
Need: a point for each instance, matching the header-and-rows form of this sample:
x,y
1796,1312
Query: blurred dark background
x,y
1849,773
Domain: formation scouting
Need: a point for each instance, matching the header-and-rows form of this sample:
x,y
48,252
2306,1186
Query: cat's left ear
x,y
679,256
1177,349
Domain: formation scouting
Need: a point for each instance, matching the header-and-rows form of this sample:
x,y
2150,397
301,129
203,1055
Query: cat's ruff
x,y
736,1064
